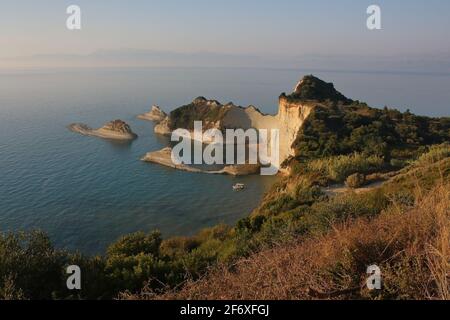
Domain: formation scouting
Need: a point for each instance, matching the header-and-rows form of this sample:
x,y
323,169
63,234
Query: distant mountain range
x,y
435,64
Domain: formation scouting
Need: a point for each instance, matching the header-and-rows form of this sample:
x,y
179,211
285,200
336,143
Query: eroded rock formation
x,y
155,114
116,129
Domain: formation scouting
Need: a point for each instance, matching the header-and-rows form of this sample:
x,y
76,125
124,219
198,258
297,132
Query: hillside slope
x,y
409,240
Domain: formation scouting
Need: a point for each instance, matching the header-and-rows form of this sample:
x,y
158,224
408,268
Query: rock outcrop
x,y
116,129
312,88
164,157
163,127
155,114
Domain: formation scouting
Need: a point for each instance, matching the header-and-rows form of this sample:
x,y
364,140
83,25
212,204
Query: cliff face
x,y
288,120
291,115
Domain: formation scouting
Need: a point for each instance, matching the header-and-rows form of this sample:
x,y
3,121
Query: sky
x,y
281,33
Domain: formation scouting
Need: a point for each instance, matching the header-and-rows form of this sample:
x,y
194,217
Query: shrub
x,y
136,243
30,267
356,180
340,167
134,259
434,154
282,203
398,163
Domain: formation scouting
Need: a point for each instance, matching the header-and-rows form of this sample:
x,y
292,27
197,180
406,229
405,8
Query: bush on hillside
x,y
340,167
435,153
29,266
356,180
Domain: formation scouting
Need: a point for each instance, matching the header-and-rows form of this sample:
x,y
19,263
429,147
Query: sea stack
x,y
116,130
155,114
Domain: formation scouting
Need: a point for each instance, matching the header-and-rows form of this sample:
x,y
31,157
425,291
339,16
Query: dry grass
x,y
410,245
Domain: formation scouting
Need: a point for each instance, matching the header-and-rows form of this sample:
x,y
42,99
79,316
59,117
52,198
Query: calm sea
x,y
86,192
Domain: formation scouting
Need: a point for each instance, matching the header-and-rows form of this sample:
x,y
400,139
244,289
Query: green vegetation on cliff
x,y
312,88
198,110
339,130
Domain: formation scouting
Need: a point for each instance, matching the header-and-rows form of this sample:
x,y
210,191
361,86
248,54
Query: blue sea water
x,y
86,192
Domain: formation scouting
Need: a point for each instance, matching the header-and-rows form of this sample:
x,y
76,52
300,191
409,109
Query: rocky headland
x,y
116,130
293,109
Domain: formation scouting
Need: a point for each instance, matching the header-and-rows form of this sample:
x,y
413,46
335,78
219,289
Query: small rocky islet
x,y
155,114
116,130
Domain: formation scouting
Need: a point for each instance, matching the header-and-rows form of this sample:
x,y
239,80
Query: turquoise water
x,y
86,192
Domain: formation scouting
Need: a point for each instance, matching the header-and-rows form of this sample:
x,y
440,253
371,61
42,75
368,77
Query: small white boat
x,y
238,187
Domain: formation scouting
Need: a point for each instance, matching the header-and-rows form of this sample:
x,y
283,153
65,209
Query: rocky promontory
x,y
116,130
292,112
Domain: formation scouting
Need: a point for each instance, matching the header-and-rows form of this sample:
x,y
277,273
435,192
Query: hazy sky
x,y
244,30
